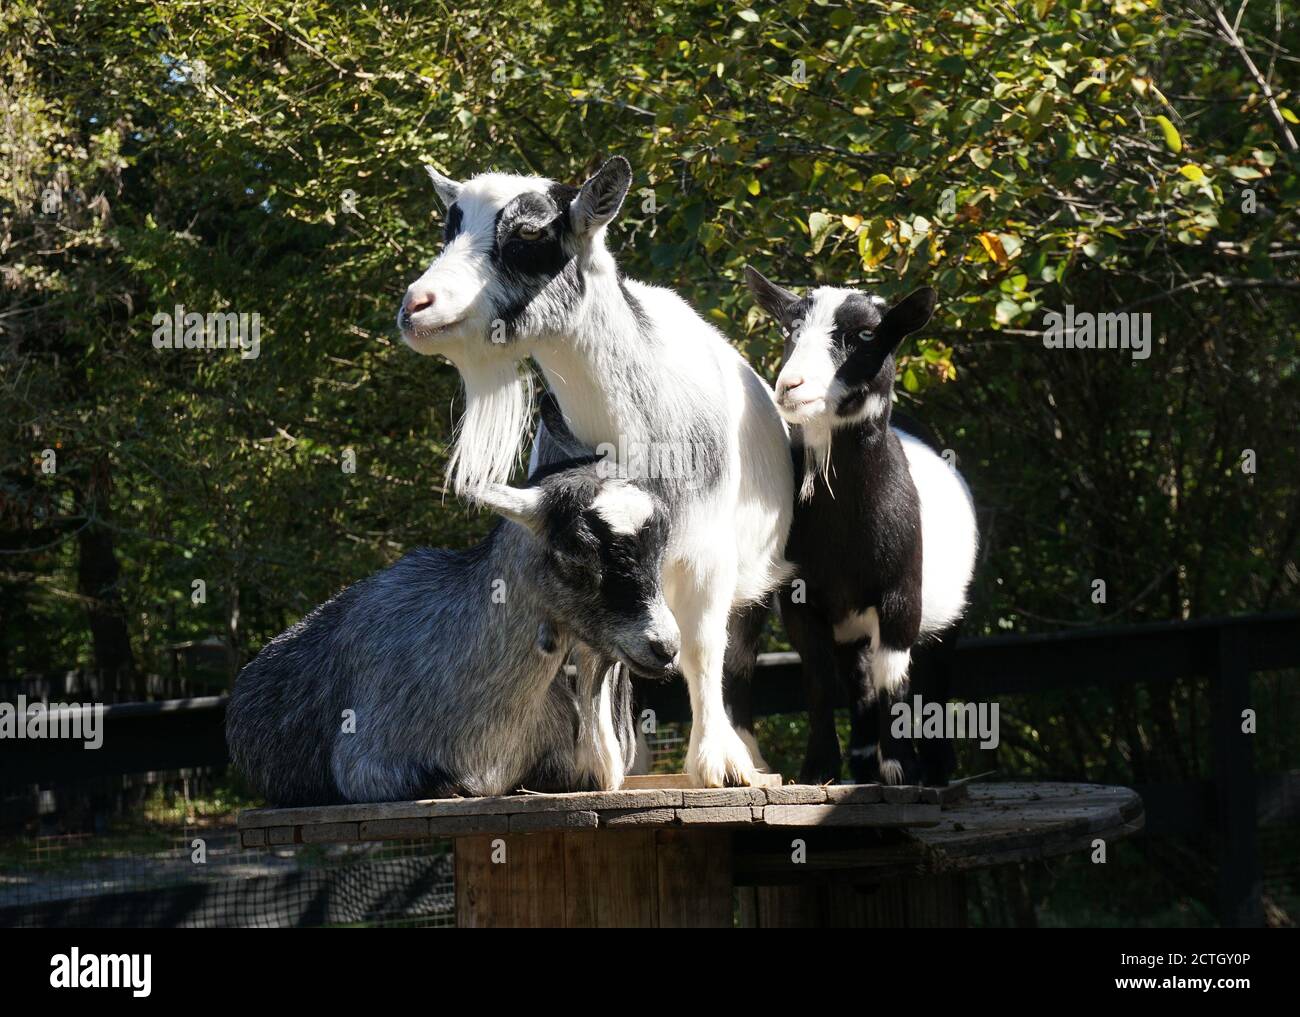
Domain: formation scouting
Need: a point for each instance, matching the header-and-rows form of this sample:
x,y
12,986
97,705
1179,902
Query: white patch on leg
x,y
889,667
891,771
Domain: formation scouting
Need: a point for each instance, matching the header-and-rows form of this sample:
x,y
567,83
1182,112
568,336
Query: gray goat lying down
x,y
442,675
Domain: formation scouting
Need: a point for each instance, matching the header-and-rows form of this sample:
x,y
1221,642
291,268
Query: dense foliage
x,y
264,156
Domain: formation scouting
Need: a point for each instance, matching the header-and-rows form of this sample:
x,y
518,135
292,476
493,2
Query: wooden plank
x,y
282,835
722,815
723,796
253,838
394,829
694,878
645,782
450,807
482,884
638,817
796,794
529,822
858,794
610,879
650,781
536,864
851,815
329,833
467,826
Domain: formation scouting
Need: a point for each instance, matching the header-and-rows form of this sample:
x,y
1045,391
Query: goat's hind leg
x,y
744,631
813,639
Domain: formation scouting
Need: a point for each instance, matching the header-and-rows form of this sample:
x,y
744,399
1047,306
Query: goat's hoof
x,y
720,759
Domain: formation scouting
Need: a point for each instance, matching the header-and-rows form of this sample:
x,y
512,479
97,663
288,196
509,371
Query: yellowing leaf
x,y
992,245
819,225
753,187
851,222
1172,138
1192,172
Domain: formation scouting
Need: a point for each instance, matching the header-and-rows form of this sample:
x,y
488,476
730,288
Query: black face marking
x,y
614,574
532,249
867,364
455,218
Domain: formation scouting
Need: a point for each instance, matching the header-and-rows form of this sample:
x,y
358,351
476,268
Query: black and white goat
x,y
884,534
525,272
438,675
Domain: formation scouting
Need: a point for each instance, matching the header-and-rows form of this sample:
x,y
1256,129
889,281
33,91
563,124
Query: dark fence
x,y
189,732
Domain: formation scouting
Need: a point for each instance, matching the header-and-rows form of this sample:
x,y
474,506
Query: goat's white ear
x,y
775,300
448,190
601,196
522,505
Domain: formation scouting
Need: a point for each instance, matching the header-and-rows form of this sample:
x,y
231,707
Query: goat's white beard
x,y
498,415
816,459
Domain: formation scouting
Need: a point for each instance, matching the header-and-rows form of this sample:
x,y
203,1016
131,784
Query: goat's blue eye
x,y
865,336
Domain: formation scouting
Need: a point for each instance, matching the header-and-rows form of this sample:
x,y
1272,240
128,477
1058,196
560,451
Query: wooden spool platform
x,y
659,854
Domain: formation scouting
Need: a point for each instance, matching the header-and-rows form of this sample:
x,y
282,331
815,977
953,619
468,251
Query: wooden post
x,y
1240,903
608,879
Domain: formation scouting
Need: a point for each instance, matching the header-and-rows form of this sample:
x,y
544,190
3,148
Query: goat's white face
x,y
510,269
838,367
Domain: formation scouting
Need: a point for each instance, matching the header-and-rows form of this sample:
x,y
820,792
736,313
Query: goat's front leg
x,y
716,756
895,628
601,757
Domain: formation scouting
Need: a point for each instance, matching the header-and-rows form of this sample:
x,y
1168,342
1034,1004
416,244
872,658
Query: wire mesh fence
x,y
161,850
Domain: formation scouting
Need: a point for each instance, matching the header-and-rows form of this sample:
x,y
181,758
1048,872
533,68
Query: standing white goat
x,y
525,272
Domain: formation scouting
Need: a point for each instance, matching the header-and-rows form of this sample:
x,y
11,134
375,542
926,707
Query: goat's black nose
x,y
663,650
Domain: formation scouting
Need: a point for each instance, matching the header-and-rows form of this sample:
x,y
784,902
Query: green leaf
x,y
819,227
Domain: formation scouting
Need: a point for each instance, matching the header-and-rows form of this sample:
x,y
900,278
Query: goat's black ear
x,y
558,428
601,196
775,300
909,314
448,190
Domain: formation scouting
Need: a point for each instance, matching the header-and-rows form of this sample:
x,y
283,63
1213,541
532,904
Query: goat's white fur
x,y
727,543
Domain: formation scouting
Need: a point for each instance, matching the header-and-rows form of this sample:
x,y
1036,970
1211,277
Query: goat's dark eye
x,y
529,232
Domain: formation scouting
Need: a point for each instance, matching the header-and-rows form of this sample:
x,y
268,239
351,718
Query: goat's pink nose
x,y
785,385
417,300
